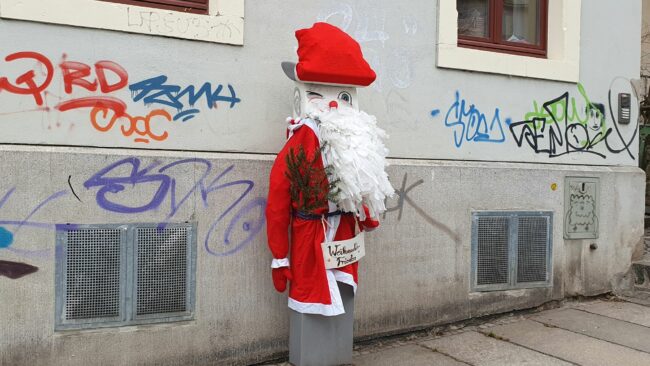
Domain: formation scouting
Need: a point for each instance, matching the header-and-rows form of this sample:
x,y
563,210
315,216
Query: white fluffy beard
x,y
354,151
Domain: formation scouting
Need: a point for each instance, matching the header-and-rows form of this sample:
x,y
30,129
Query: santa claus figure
x,y
327,185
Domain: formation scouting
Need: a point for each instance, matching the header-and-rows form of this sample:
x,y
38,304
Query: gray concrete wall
x,y
417,270
416,273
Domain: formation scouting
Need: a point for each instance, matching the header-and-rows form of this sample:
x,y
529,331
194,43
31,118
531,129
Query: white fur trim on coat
x,y
279,263
336,307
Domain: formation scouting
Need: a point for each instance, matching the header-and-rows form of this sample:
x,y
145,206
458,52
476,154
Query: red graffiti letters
x,y
90,102
75,73
27,79
78,76
100,70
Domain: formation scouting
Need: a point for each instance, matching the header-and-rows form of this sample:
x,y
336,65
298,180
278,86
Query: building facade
x,y
137,142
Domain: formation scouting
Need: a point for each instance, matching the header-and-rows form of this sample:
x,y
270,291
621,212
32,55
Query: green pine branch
x,y
308,188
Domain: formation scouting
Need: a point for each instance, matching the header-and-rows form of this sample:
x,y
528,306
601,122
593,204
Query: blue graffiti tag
x,y
6,238
251,227
471,125
156,91
26,221
111,183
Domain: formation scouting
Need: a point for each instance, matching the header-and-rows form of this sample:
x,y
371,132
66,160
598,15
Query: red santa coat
x,y
313,289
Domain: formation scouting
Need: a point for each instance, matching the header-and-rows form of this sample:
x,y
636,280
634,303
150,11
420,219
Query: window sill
x,y
563,53
454,57
224,24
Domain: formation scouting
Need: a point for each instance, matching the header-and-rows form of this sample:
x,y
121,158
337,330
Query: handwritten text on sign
x,y
340,253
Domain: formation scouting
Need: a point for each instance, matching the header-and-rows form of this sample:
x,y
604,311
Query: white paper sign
x,y
343,252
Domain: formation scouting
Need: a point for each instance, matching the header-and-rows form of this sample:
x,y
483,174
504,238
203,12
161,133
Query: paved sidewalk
x,y
602,332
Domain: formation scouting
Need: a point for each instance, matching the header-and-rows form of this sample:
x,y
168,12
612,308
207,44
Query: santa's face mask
x,y
314,98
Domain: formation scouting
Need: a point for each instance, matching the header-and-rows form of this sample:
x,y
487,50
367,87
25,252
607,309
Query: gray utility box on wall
x,y
113,275
581,207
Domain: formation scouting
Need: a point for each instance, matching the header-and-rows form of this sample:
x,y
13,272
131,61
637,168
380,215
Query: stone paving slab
x,y
598,326
638,297
410,355
573,347
480,350
627,311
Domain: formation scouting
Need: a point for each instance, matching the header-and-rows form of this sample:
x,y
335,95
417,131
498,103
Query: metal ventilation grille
x,y
162,259
532,254
511,250
92,289
492,251
124,274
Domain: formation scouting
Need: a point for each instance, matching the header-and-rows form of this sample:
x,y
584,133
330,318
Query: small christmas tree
x,y
310,188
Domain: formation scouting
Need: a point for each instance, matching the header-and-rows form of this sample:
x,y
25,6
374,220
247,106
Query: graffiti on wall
x,y
581,211
15,270
166,22
563,125
390,45
469,124
403,199
366,23
581,206
158,91
98,83
114,192
570,124
7,236
130,186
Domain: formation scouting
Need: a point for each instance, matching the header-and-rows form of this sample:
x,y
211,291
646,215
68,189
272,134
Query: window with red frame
x,y
509,26
185,6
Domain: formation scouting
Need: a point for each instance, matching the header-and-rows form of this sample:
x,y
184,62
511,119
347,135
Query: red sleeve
x,y
278,207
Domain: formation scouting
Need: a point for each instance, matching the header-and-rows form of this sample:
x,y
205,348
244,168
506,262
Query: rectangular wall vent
x,y
511,250
98,265
492,256
93,270
93,275
532,249
162,270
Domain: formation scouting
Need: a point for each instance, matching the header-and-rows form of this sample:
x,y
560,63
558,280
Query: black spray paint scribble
x,y
403,197
560,131
72,189
15,270
581,216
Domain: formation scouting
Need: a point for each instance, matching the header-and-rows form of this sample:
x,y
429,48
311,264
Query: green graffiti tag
x,y
567,125
573,110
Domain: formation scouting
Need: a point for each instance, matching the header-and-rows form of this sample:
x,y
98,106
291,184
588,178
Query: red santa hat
x,y
328,55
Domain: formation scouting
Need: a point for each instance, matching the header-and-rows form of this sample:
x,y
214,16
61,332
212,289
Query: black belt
x,y
308,216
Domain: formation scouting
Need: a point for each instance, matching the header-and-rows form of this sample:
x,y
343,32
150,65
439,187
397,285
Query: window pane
x,y
521,21
473,18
